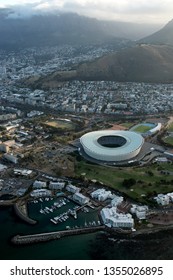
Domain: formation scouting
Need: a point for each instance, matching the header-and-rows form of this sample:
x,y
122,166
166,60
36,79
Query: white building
x,y
170,196
73,189
80,198
56,185
11,158
139,211
39,184
111,218
40,193
162,199
116,200
101,194
23,172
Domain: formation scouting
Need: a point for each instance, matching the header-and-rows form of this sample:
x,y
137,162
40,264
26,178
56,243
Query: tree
x,y
127,183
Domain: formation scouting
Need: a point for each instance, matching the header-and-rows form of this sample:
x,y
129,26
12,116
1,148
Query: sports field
x,y
143,127
61,124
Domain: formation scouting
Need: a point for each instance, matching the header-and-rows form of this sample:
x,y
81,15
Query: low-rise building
x,y
10,157
73,189
162,199
40,193
113,219
56,185
170,196
101,194
116,200
139,211
39,184
80,198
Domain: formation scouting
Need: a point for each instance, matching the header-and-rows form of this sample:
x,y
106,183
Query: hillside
x,y
163,36
142,63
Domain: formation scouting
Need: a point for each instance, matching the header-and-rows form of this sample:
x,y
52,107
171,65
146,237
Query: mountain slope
x,y
163,36
70,28
142,63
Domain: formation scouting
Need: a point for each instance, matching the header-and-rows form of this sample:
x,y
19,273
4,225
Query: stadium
x,y
112,145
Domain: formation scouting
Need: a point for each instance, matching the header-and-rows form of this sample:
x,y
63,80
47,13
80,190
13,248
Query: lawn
x,y
145,184
60,124
127,124
142,128
170,128
168,140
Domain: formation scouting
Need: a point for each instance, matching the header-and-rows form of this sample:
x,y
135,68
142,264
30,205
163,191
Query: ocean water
x,y
84,247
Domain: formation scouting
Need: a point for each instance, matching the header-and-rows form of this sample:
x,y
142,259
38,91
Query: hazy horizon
x,y
138,11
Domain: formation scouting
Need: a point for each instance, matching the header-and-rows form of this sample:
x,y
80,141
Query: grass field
x,y
127,124
61,124
168,140
170,128
145,183
142,128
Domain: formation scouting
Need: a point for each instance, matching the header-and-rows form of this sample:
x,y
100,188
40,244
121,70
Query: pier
x,y
43,237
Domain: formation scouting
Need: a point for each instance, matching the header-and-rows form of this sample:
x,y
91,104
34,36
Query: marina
x,y
63,213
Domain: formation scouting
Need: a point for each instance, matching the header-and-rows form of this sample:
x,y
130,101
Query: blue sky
x,y
154,11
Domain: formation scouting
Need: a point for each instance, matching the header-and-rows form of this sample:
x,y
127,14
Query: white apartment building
x,y
101,194
162,199
73,189
111,218
39,184
80,198
56,185
40,193
116,200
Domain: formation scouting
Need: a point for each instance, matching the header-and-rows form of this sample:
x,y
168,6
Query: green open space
x,y
142,128
61,124
170,128
127,124
148,180
168,140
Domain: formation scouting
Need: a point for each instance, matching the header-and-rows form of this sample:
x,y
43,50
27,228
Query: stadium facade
x,y
112,145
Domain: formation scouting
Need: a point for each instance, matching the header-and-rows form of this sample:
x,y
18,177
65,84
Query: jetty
x,y
42,237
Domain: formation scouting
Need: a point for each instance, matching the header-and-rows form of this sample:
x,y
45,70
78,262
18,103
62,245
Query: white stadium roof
x,y
112,145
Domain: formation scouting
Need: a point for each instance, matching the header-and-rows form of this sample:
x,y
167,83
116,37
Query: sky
x,y
139,11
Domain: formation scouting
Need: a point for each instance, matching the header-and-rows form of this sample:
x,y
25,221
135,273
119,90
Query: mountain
x,y
142,63
163,36
67,28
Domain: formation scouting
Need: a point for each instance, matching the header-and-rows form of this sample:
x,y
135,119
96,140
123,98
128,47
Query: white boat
x,y
53,221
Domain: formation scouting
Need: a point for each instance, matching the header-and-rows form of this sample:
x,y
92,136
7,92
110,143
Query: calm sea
x,y
84,247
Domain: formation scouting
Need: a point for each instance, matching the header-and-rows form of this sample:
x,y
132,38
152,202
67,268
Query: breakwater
x,y
42,237
21,211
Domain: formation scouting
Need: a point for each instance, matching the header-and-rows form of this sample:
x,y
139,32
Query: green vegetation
x,y
170,128
127,124
168,140
60,124
142,128
138,183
